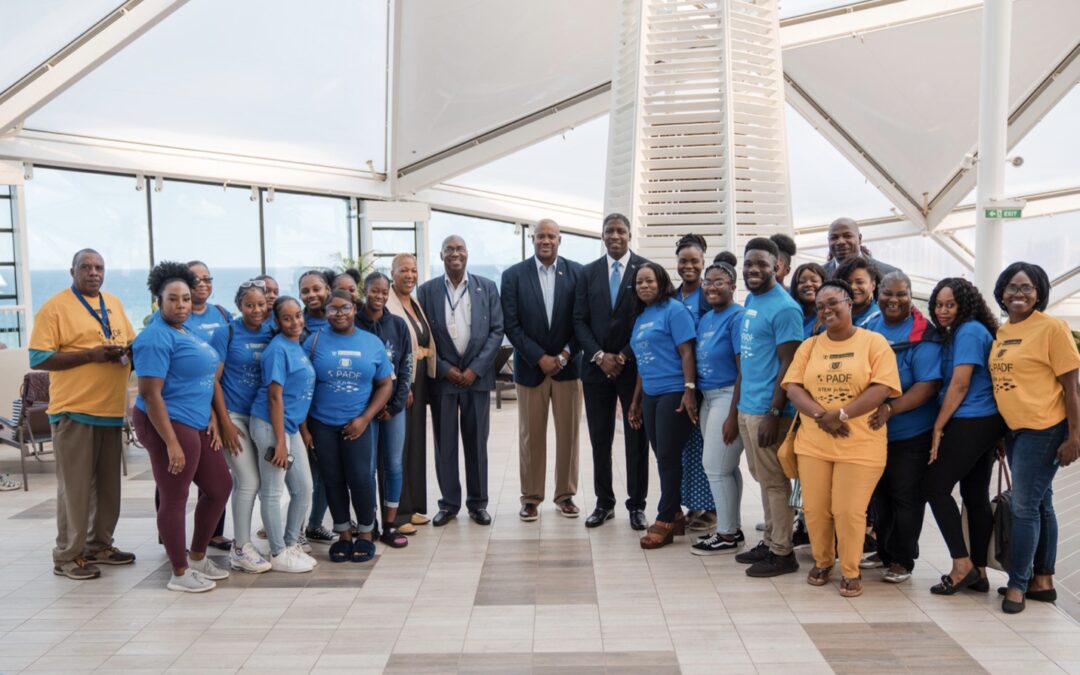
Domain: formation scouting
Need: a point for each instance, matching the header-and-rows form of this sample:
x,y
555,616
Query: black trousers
x,y
469,412
668,432
965,456
414,457
899,500
600,401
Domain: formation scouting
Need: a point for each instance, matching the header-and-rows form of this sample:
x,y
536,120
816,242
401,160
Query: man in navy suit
x,y
538,310
603,322
467,325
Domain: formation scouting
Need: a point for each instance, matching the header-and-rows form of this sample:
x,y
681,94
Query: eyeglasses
x,y
705,283
204,280
252,283
339,311
830,305
1019,288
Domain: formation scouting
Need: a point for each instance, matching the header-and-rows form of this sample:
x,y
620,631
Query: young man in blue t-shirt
x,y
771,330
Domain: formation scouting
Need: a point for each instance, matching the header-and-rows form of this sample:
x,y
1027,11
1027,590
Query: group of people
x,y
884,409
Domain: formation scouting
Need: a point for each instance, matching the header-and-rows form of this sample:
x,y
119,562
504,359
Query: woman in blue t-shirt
x,y
241,351
353,383
176,372
899,505
717,360
966,432
805,283
394,334
276,424
315,287
864,278
665,398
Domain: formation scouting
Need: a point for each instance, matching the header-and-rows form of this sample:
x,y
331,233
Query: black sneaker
x,y
740,538
869,544
754,555
715,545
773,565
800,539
320,535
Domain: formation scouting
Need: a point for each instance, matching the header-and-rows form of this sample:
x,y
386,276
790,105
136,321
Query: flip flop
x,y
341,551
363,550
394,539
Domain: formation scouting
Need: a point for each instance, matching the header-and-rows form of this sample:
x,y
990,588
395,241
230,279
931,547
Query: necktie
x,y
614,283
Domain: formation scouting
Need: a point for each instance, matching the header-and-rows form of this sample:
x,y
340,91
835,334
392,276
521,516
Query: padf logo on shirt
x,y
345,363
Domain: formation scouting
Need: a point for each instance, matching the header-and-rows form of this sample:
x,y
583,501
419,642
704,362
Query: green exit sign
x,y
1003,213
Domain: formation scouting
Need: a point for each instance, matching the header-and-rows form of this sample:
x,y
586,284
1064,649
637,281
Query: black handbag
x,y
999,555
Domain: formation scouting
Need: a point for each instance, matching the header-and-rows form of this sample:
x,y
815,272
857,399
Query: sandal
x,y
363,550
341,551
851,588
407,529
948,587
393,538
678,525
819,576
658,535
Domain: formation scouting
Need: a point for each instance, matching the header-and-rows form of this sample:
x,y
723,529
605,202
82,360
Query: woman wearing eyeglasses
x,y
234,392
1034,365
353,384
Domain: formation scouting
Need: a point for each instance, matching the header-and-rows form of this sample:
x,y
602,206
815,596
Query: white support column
x,y
22,263
993,129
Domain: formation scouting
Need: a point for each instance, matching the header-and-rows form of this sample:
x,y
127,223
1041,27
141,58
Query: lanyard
x,y
103,318
454,305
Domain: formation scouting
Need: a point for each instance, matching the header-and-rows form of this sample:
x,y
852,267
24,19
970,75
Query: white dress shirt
x,y
458,313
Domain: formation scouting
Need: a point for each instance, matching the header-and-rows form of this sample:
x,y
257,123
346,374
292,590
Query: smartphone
x,y
271,451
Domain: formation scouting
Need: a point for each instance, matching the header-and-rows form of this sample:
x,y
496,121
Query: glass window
x,y
579,248
393,241
70,210
5,212
304,231
493,245
217,226
1048,241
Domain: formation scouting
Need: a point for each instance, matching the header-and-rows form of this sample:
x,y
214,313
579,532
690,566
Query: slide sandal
x,y
363,550
341,551
394,539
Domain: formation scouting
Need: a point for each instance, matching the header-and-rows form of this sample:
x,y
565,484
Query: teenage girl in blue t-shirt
x,y
315,287
665,398
966,433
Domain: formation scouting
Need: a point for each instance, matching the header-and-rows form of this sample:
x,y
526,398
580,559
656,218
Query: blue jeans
x,y
274,481
391,435
721,461
318,498
348,470
1033,459
245,474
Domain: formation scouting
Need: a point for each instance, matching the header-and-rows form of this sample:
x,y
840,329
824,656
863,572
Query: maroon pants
x,y
202,466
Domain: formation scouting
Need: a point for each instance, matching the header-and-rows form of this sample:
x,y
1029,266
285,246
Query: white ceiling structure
x,y
499,108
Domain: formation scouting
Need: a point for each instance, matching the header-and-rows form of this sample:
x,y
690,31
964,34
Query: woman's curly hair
x,y
166,271
969,305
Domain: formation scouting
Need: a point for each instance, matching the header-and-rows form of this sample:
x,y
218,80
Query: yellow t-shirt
x,y
64,325
1025,362
835,373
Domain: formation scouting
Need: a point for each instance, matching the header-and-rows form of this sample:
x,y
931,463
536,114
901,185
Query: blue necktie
x,y
614,282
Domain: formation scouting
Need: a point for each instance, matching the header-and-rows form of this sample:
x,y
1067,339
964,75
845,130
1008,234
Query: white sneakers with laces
x,y
302,555
287,561
208,569
248,559
191,581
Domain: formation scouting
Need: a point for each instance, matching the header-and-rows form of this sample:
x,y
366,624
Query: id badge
x,y
452,328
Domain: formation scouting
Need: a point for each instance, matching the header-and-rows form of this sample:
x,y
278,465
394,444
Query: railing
x,y
13,326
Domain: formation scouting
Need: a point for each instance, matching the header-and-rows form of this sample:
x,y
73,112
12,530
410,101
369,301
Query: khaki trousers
x,y
87,487
564,398
835,495
775,486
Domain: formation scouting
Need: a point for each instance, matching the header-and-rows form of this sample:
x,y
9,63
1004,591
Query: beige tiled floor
x,y
542,597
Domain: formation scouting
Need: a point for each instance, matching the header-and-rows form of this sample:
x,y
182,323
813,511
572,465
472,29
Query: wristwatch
x,y
843,415
775,412
562,361
689,385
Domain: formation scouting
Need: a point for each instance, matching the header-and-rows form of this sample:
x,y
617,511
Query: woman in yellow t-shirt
x,y
836,380
1034,365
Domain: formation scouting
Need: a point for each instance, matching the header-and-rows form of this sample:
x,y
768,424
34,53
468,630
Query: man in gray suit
x,y
467,325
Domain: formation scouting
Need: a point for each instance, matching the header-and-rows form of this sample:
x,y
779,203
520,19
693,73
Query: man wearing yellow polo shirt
x,y
82,336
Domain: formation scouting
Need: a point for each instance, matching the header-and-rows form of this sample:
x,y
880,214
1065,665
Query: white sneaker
x,y
208,569
190,582
302,555
286,561
248,559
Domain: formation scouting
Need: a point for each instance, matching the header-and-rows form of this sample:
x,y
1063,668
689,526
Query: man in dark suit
x,y
467,325
538,310
603,322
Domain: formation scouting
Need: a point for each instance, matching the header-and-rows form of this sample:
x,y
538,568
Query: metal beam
x,y
1022,120
864,17
849,147
496,206
871,229
956,249
81,56
504,140
78,152
1064,287
1038,205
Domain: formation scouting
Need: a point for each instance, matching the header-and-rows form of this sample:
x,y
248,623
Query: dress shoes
x,y
480,517
528,513
599,516
638,521
568,508
1046,595
442,517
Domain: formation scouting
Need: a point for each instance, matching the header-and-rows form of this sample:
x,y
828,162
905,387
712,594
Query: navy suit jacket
x,y
486,332
527,323
598,326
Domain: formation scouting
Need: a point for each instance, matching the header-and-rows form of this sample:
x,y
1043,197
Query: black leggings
x,y
668,432
899,501
965,456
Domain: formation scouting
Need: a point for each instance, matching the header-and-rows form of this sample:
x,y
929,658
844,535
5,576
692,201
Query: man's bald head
x,y
546,240
845,240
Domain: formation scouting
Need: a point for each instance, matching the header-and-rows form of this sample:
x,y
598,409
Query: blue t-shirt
x,y
864,317
771,319
693,302
717,346
346,367
242,374
658,331
314,324
808,326
212,326
920,362
186,363
970,344
286,363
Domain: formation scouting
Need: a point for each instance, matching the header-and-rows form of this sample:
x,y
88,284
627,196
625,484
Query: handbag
x,y
786,452
999,555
